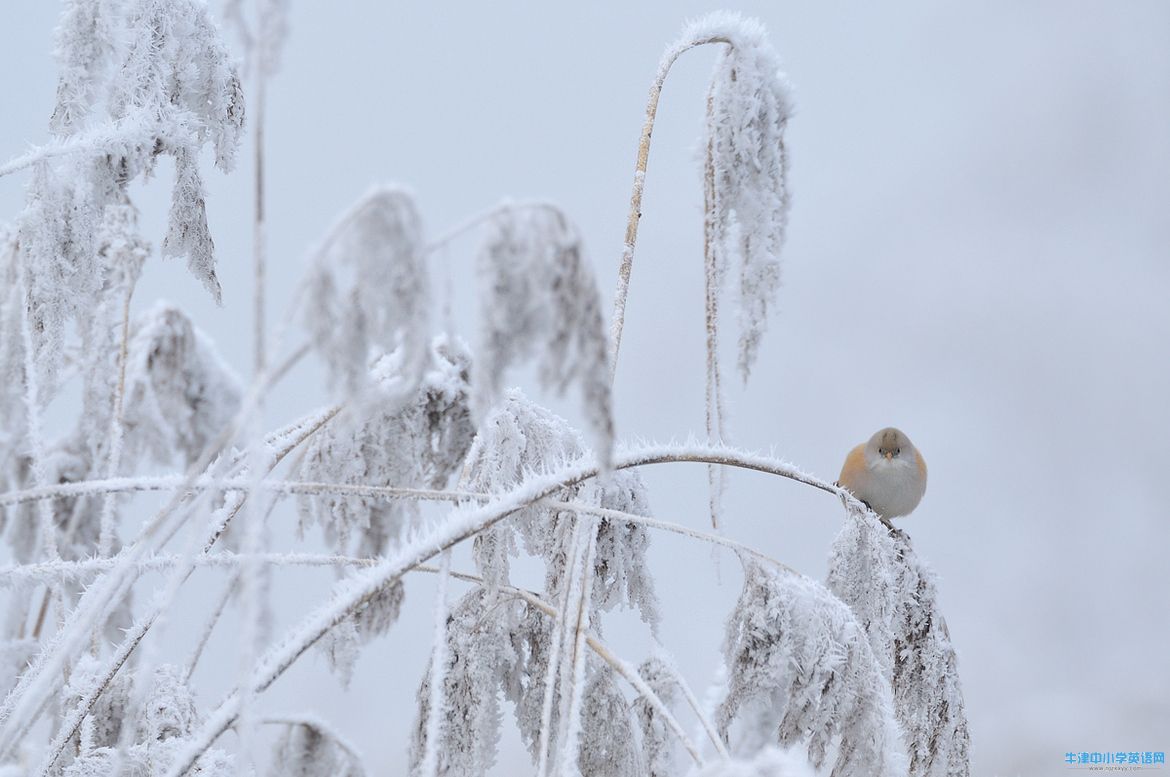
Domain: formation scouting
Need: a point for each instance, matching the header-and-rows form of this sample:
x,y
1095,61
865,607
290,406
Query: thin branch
x,y
209,627
430,762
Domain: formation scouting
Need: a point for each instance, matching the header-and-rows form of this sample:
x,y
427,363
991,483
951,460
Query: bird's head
x,y
889,445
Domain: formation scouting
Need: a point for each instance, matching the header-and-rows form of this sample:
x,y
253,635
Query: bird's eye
x,y
897,451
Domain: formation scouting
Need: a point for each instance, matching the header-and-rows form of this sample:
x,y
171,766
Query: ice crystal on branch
x,y
538,297
179,394
368,291
414,442
877,573
801,670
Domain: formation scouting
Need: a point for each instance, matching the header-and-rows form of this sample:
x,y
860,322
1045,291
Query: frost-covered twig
x,y
580,588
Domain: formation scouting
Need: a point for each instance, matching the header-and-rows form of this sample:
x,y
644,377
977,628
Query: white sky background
x,y
977,254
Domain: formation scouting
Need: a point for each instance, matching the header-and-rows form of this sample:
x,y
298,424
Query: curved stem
x,y
635,214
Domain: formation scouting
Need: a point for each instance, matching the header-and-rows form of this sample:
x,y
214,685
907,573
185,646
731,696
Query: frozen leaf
x,y
179,394
368,291
801,671
539,298
309,748
659,742
748,108
877,573
520,439
480,657
187,231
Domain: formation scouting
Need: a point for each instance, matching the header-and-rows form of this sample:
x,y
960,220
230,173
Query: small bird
x,y
887,473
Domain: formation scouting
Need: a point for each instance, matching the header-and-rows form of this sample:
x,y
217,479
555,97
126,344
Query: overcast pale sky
x,y
977,254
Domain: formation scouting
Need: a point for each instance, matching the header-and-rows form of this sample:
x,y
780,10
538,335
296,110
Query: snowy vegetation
x,y
854,676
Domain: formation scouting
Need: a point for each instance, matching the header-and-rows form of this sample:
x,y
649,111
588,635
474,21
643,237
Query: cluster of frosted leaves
x,y
520,439
137,81
748,110
417,441
367,291
342,644
499,647
538,298
877,573
162,720
179,394
800,670
659,742
311,749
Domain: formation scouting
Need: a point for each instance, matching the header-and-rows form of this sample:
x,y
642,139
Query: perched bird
x,y
887,473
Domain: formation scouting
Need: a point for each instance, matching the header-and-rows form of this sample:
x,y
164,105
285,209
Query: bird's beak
x,y
889,456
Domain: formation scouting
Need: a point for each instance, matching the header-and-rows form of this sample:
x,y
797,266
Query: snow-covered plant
x,y
800,668
426,447
414,442
878,574
179,394
658,741
309,748
367,290
539,297
522,438
483,649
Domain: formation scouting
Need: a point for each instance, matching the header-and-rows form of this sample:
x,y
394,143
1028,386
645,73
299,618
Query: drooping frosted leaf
x,y
749,105
179,394
480,659
311,749
538,299
659,742
877,573
800,670
418,442
342,644
84,50
520,438
176,63
607,744
187,231
368,290
59,264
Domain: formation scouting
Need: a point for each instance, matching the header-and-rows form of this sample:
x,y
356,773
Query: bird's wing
x,y
854,471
